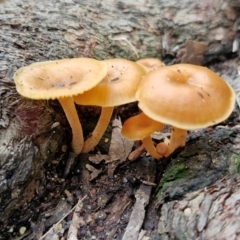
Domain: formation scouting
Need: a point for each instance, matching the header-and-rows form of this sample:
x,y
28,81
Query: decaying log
x,y
200,188
210,213
34,133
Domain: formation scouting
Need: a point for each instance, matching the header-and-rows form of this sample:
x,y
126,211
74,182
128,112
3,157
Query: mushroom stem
x,y
72,116
99,130
150,148
177,139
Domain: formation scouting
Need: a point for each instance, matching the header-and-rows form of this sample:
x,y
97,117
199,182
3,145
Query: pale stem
x,y
69,108
150,148
177,139
99,130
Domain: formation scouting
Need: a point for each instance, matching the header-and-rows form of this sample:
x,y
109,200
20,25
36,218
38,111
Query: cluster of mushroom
x,y
184,96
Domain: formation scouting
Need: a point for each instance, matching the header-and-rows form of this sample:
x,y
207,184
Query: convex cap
x,y
117,88
60,78
185,96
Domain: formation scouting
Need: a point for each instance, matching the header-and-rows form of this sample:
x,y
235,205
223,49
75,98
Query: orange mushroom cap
x,y
140,126
61,78
117,88
185,96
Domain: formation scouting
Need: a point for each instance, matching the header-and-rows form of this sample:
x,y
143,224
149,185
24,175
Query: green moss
x,y
177,32
237,163
172,174
175,171
234,164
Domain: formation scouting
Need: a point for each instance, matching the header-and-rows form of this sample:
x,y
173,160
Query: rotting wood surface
x,y
34,134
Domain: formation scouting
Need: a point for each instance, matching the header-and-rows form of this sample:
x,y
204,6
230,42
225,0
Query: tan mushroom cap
x,y
150,63
140,126
117,88
61,78
185,96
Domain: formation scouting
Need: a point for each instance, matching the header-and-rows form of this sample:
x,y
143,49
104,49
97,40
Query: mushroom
x,y
186,97
140,127
61,79
117,88
150,63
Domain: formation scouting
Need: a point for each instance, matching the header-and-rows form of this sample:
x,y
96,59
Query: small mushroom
x,y
140,127
186,97
61,79
117,88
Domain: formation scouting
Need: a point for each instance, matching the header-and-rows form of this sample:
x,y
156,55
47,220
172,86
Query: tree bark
x,y
199,190
34,133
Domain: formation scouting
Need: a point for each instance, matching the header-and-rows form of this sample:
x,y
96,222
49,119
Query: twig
x,y
73,228
138,213
79,201
149,183
123,37
136,153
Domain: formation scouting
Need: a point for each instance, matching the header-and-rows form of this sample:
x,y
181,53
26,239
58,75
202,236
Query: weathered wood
x,y
33,133
115,29
209,213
